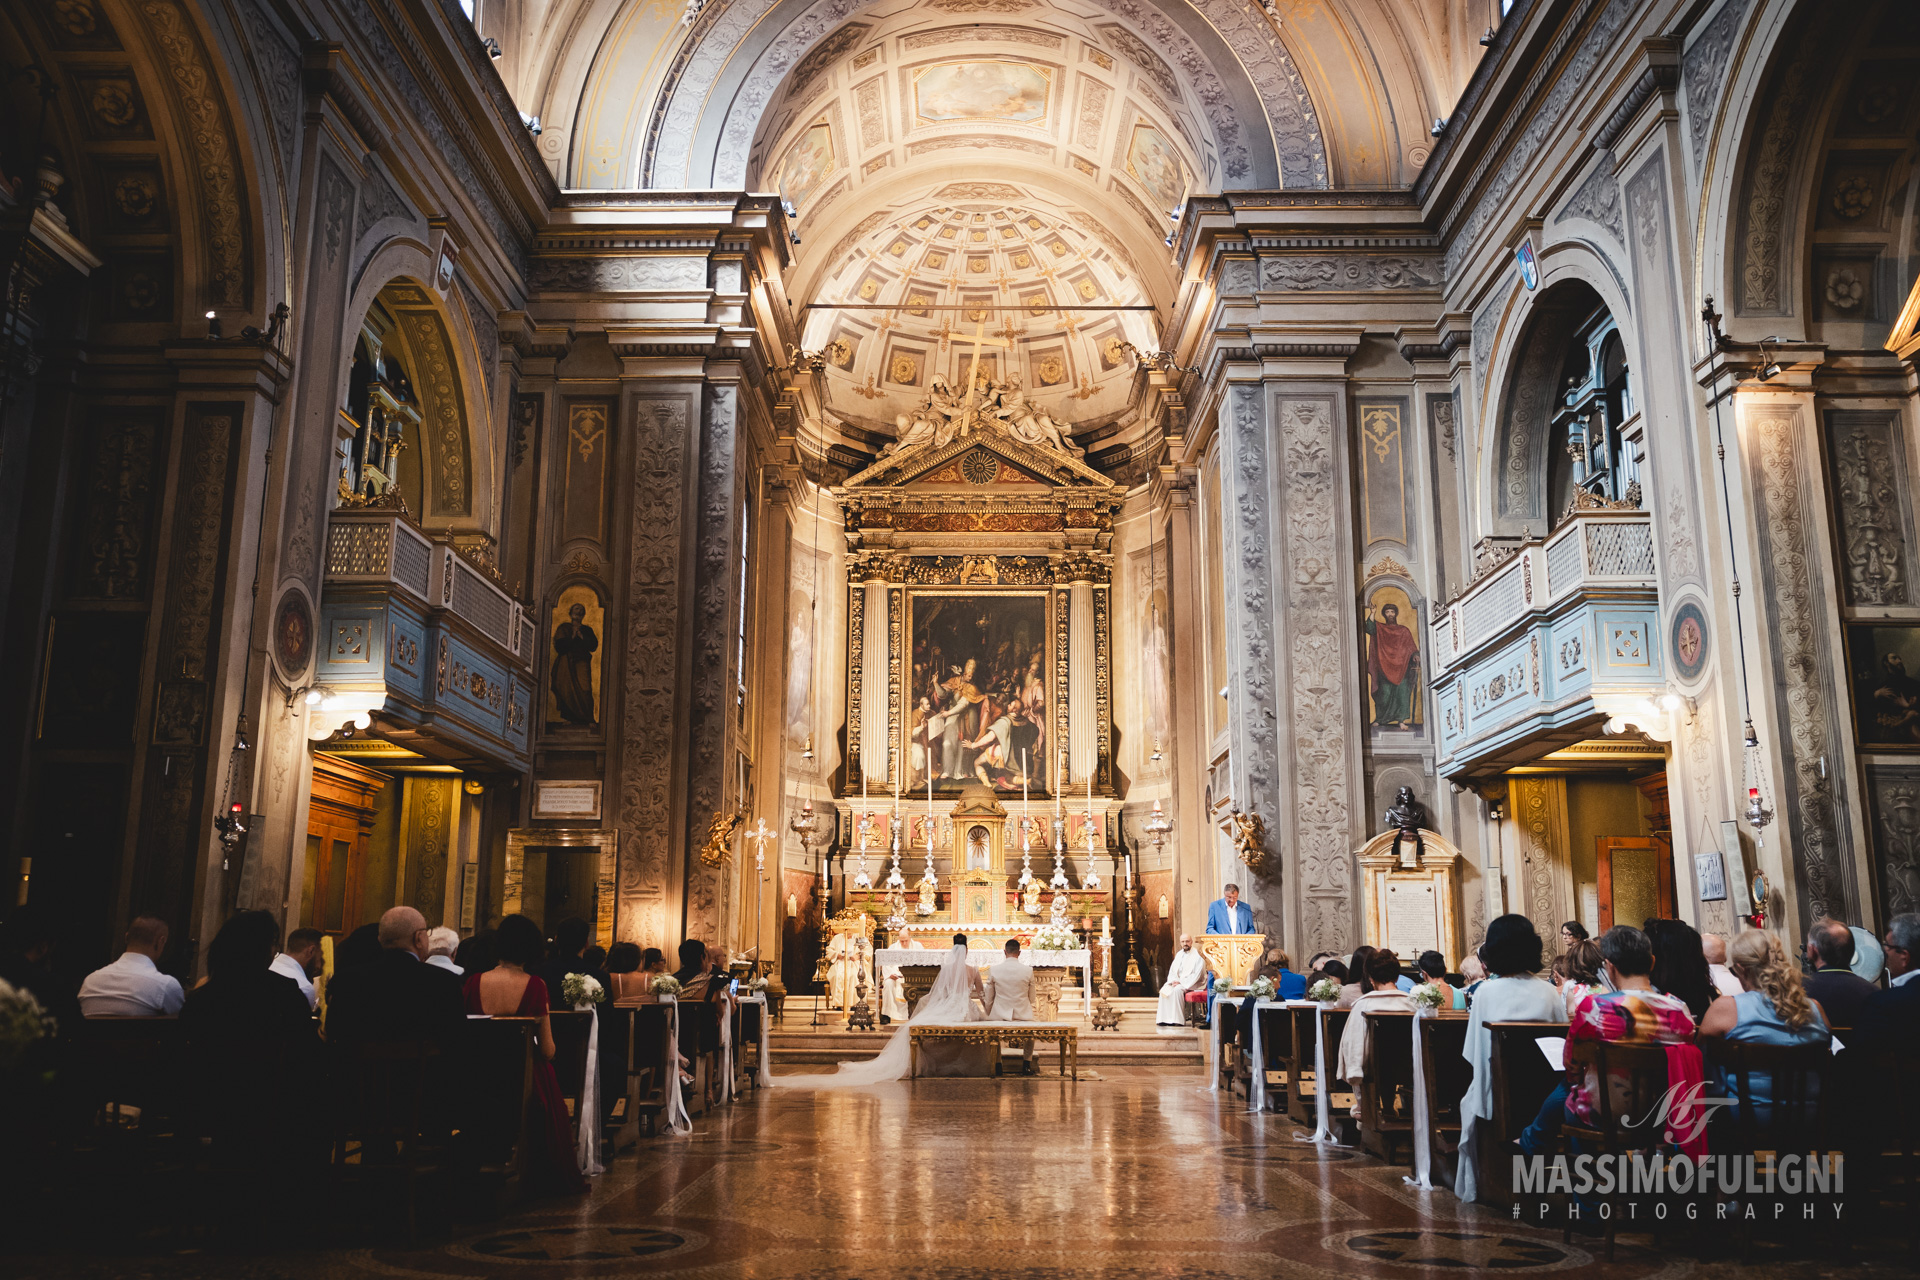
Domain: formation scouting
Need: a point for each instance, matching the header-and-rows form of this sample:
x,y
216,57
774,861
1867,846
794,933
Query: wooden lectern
x,y
1232,956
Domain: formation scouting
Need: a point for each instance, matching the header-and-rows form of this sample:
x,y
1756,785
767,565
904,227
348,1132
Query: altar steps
x,y
1135,1043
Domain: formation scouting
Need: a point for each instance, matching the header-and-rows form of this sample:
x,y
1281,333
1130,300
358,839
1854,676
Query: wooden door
x,y
339,825
1636,879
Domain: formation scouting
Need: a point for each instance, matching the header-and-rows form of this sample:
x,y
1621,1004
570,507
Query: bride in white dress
x,y
957,995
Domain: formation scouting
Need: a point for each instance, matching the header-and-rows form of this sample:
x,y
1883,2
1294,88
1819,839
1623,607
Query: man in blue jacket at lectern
x,y
1229,914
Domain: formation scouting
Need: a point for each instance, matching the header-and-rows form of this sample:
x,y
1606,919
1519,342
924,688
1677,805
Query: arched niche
x,y
1568,334
445,469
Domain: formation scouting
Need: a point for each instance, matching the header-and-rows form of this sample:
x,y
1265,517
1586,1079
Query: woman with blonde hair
x,y
1773,1008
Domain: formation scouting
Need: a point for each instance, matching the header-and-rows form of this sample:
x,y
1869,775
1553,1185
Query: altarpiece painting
x,y
980,666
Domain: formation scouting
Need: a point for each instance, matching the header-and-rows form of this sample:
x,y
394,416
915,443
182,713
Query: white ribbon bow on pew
x,y
1322,1088
678,1121
1422,1122
587,1146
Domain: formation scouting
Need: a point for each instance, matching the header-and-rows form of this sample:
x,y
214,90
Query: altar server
x,y
1187,973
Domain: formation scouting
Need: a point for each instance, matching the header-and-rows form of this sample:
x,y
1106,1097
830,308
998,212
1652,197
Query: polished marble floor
x,y
1138,1176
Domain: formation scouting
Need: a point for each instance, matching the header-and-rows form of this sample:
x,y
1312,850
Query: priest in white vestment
x,y
1188,972
893,984
843,971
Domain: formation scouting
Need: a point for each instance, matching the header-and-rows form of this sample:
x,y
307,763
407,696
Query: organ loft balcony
x,y
1553,644
420,646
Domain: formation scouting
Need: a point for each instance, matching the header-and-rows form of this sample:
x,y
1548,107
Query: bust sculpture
x,y
1406,817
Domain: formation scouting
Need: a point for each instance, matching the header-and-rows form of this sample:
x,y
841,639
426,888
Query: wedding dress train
x,y
949,1001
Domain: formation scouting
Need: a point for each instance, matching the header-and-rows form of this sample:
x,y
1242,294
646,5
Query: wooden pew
x,y
1448,1073
1301,1022
494,1103
1386,1091
1276,1048
1340,1096
645,1063
571,1029
1521,1081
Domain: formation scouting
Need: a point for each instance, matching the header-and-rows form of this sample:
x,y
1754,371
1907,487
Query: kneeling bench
x,y
1065,1034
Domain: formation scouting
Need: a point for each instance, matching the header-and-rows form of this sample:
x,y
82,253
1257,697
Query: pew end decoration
x,y
1263,988
577,989
23,1023
665,985
1425,997
1325,991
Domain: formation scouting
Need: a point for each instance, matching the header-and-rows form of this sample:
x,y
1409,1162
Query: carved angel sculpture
x,y
1250,839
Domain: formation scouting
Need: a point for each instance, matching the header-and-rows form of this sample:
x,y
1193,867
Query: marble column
x,y
876,658
1083,747
1189,746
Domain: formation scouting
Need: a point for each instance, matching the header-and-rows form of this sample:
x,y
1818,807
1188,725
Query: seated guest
x,y
1571,932
299,961
1632,1012
569,947
1838,989
1287,985
397,995
358,950
1473,972
443,944
508,990
27,943
133,986
1714,947
1577,973
1772,1008
476,953
1356,985
1335,969
1680,965
1512,954
246,996
1380,994
1188,972
1891,1020
653,963
1433,968
696,968
624,980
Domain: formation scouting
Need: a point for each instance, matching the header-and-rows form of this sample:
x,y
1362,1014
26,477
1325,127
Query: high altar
x,y
979,703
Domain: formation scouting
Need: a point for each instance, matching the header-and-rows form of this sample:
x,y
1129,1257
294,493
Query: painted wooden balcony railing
x,y
414,634
1561,637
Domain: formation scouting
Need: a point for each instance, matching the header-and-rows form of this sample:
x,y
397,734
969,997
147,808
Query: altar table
x,y
1065,1034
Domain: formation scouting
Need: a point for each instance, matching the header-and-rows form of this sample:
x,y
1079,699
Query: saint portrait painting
x,y
977,691
1393,659
1885,665
573,677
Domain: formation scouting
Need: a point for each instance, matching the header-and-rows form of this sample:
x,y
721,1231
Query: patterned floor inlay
x,y
1134,1178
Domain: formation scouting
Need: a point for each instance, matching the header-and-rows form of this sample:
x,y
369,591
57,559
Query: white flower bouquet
x,y
1425,996
666,985
1263,988
1325,991
23,1023
577,989
757,986
1053,937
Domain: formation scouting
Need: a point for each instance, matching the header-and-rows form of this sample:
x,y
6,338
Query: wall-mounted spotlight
x,y
1769,365
1487,39
532,123
492,47
1439,126
213,327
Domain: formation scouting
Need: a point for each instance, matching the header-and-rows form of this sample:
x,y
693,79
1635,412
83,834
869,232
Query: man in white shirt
x,y
133,986
1187,972
1012,993
442,944
1715,948
299,961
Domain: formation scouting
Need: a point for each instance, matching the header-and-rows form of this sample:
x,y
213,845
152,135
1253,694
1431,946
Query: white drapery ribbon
x,y
1257,1091
726,1051
678,1121
587,1146
1322,1087
765,1074
1219,1045
1422,1122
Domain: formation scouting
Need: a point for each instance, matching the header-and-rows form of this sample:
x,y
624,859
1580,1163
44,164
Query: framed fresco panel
x,y
978,682
1881,666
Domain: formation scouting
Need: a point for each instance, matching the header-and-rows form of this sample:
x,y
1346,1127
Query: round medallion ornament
x,y
1689,631
979,467
293,635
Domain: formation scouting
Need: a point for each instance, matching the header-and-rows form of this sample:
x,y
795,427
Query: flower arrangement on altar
x,y
23,1023
665,985
1426,997
1325,991
578,989
758,986
1262,988
1054,937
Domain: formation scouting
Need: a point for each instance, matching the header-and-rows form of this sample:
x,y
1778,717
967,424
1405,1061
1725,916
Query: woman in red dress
x,y
508,991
